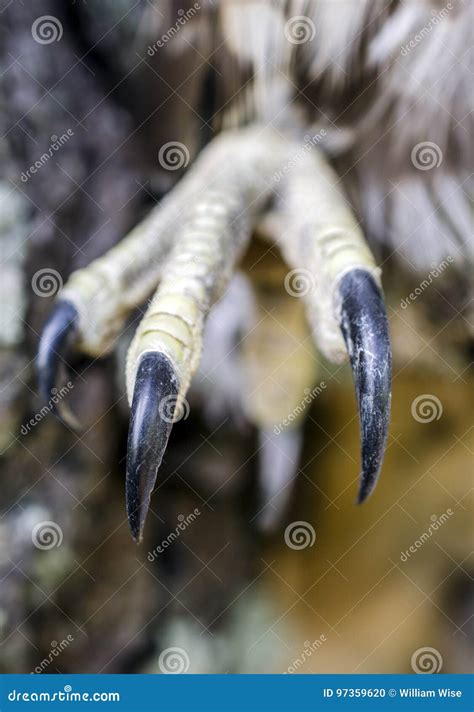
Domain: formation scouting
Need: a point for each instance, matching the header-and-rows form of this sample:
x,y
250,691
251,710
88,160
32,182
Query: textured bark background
x,y
233,599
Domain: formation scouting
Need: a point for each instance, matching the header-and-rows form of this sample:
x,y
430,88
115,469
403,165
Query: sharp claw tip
x,y
156,387
136,515
137,535
364,326
365,490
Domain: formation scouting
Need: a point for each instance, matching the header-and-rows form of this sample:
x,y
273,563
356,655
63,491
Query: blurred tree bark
x,y
57,214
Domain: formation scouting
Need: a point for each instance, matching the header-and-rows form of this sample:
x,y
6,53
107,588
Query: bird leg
x,y
191,243
94,304
342,291
236,172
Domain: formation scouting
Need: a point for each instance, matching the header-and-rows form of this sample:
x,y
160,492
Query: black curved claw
x,y
154,401
364,326
60,326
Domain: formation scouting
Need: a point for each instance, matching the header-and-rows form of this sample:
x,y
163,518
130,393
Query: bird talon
x,y
364,326
59,330
196,239
151,420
